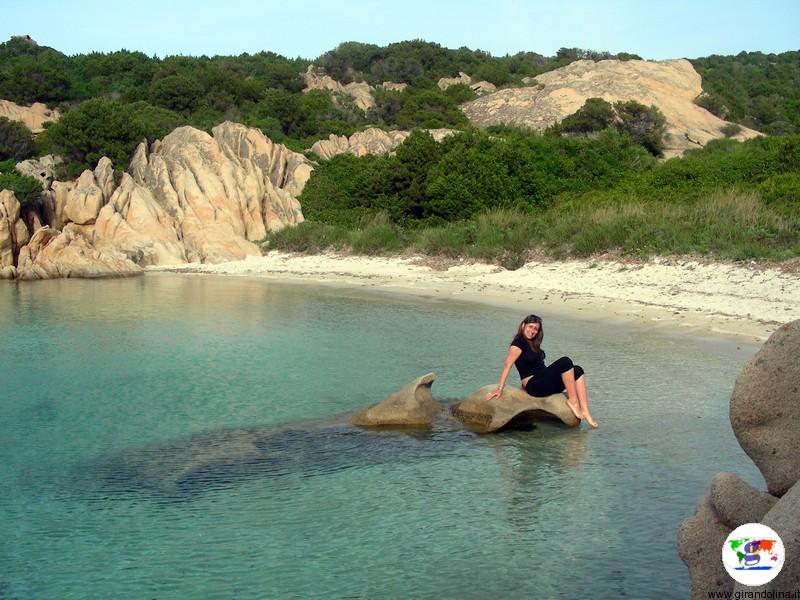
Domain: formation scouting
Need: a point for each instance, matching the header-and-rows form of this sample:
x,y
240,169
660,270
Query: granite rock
x,y
487,416
412,406
765,409
671,85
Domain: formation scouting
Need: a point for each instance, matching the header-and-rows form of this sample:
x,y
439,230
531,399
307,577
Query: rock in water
x,y
412,405
486,416
765,409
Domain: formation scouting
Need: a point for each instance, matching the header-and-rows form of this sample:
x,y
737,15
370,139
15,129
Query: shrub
x,y
16,140
784,187
94,129
645,125
730,130
176,92
27,190
595,115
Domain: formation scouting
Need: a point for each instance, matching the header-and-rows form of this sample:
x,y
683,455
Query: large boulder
x,y
671,85
446,82
700,540
736,502
487,416
13,231
411,405
784,519
33,117
765,409
69,253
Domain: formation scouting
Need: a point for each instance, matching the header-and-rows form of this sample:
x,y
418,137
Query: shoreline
x,y
724,299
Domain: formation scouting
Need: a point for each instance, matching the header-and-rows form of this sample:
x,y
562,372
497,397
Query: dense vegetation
x,y
758,90
504,195
589,184
27,190
263,90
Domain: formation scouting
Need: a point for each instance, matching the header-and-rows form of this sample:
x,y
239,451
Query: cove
x,y
93,371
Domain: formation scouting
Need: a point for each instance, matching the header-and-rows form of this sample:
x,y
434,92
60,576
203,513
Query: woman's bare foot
x,y
591,421
573,406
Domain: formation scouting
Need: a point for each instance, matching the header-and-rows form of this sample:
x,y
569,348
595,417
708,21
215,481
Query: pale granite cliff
x,y
670,85
191,197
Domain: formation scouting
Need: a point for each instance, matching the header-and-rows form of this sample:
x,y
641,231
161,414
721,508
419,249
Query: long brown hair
x,y
536,342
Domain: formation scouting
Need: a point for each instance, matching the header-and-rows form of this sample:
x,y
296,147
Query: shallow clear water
x,y
108,389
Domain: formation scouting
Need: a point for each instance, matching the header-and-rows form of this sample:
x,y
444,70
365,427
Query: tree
x,y
646,125
595,115
95,128
176,92
16,140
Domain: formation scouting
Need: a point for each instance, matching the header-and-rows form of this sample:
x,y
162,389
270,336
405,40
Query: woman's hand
x,y
494,394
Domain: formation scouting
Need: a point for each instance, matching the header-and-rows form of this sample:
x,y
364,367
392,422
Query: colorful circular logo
x,y
753,554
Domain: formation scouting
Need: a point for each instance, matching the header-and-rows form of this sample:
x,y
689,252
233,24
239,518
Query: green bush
x,y
595,115
94,129
27,190
730,130
16,140
784,187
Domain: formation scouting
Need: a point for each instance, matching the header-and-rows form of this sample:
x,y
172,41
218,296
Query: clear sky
x,y
654,29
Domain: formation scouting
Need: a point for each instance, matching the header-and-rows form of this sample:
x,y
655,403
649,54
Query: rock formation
x,y
412,405
479,87
369,141
33,117
484,416
391,86
764,417
70,253
316,79
765,409
671,85
190,197
13,234
42,168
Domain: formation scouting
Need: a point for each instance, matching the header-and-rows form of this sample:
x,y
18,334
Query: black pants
x,y
548,381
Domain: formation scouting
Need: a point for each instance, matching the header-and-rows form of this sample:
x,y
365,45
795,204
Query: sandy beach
x,y
748,301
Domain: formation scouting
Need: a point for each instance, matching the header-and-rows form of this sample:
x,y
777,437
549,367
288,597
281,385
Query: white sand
x,y
750,301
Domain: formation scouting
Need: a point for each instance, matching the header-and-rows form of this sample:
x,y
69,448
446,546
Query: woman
x,y
525,352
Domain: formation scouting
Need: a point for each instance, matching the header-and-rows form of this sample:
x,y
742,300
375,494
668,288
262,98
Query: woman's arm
x,y
512,356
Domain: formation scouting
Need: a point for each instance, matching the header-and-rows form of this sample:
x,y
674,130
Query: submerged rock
x,y
487,416
765,409
411,405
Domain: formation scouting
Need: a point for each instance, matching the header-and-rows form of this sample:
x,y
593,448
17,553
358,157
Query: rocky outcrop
x,y
43,169
765,409
14,233
69,253
446,82
391,86
487,416
479,87
369,141
671,85
412,406
316,79
190,197
764,417
33,117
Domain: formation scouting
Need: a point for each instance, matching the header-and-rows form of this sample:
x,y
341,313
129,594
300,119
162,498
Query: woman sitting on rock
x,y
525,352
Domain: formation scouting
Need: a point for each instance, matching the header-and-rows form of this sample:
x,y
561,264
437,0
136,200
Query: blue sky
x,y
651,28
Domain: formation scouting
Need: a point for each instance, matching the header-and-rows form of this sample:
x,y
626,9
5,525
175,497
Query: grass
x,y
728,224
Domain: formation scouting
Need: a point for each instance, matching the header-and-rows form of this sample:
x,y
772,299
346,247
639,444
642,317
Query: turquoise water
x,y
102,379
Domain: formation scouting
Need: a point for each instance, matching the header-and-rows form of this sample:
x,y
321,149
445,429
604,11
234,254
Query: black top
x,y
529,361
